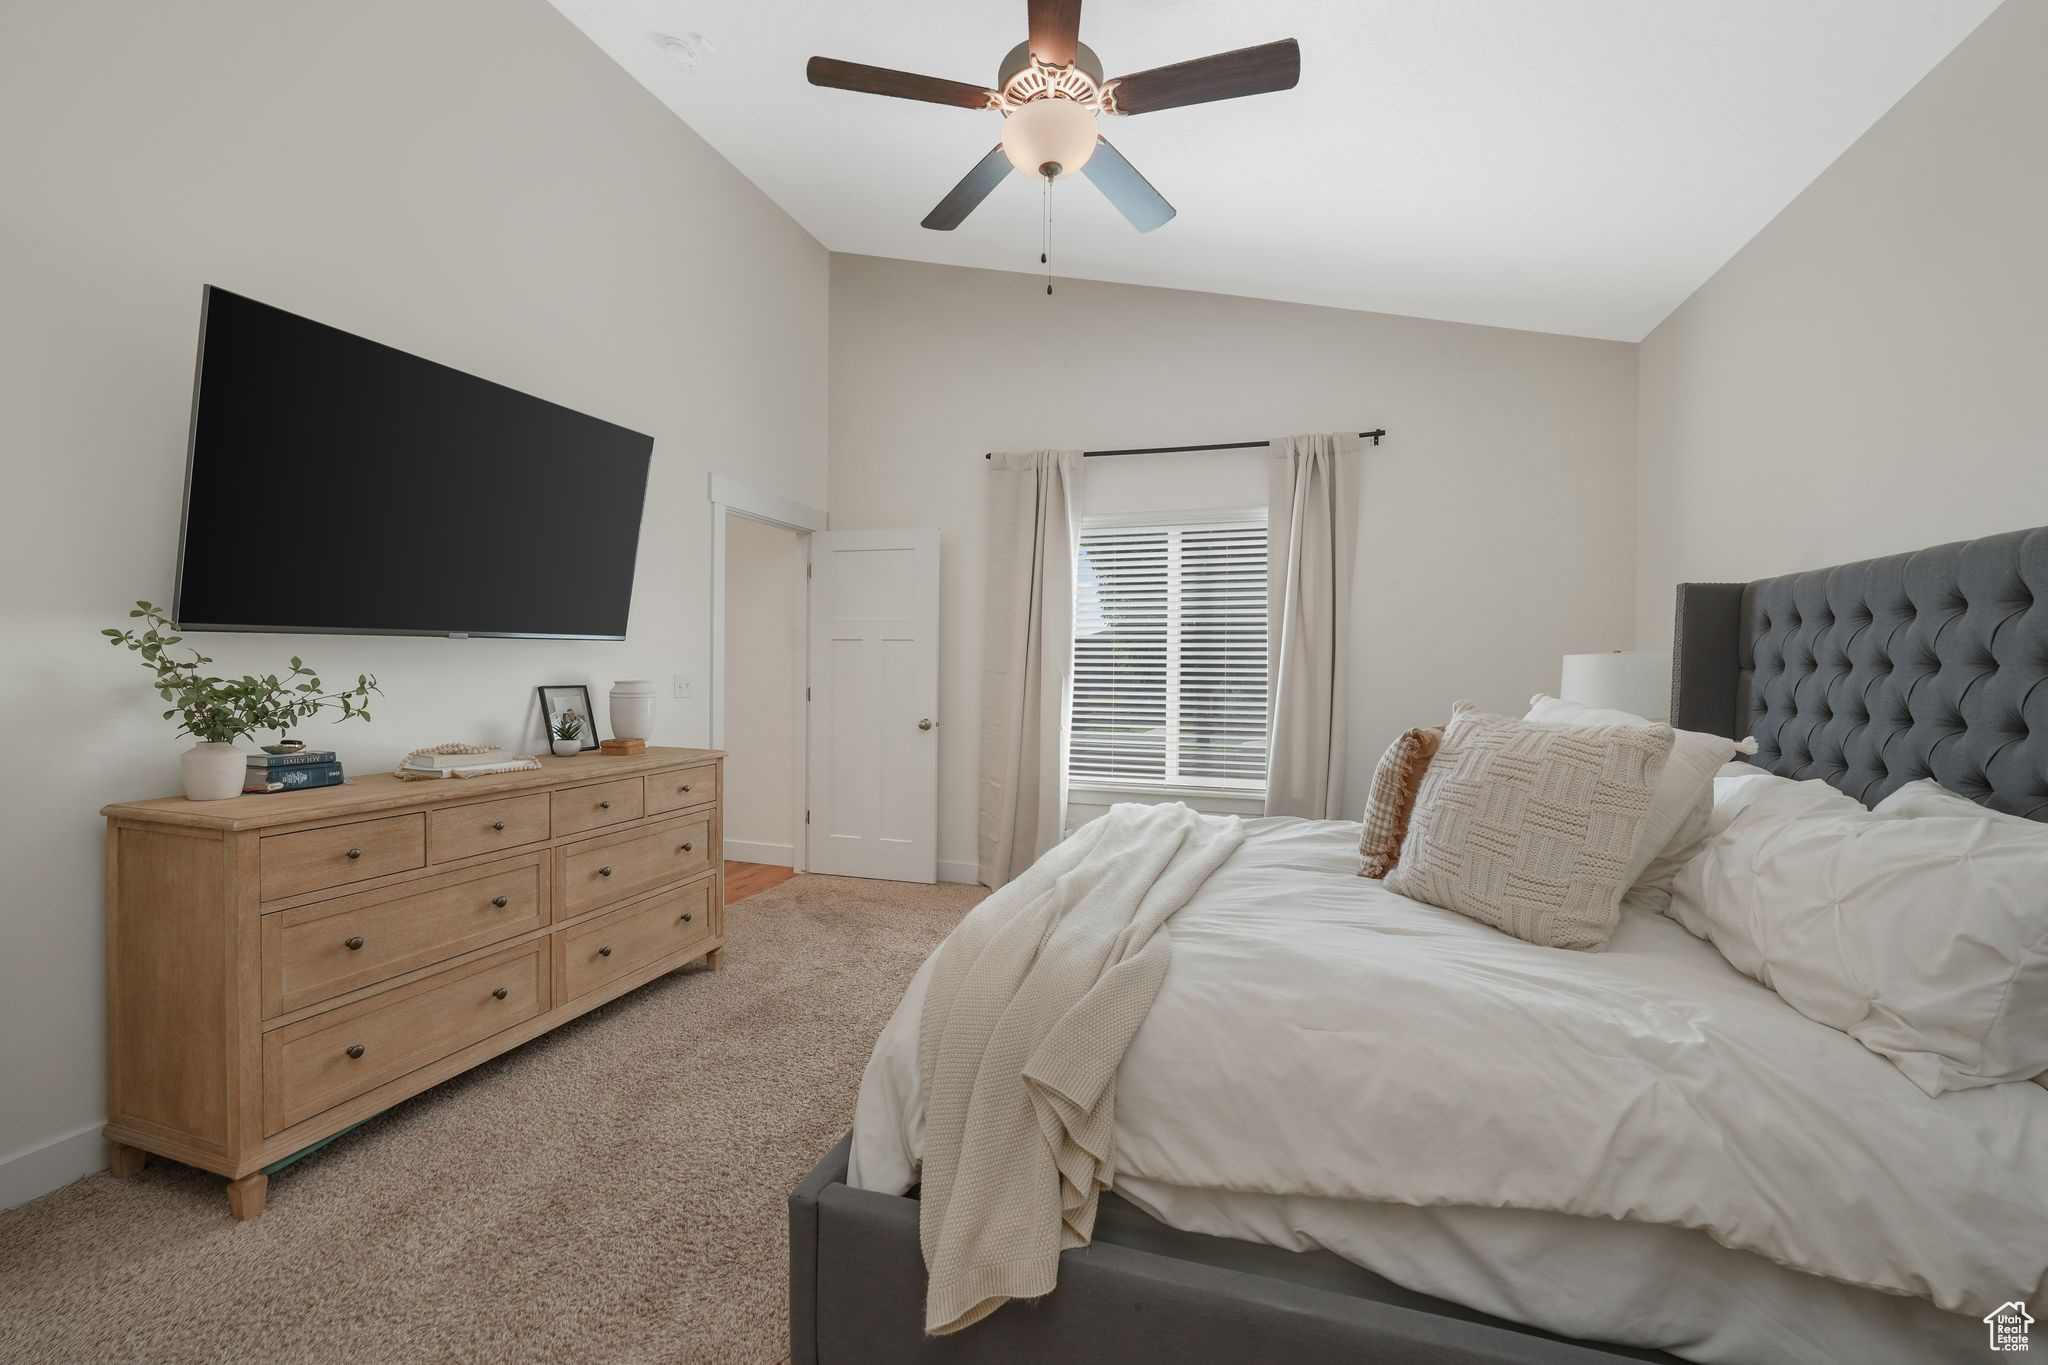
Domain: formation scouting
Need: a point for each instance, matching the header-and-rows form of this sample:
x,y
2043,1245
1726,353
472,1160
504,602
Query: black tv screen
x,y
339,486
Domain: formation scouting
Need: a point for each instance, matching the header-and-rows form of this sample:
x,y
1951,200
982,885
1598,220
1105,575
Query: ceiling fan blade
x,y
968,194
1055,30
1225,76
1121,184
902,85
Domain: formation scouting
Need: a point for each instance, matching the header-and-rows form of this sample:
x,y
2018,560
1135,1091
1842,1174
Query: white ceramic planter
x,y
632,702
213,771
566,748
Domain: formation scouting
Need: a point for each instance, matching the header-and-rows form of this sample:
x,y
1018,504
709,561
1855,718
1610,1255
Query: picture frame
x,y
556,699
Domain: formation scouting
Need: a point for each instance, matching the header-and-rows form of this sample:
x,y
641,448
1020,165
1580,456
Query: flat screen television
x,y
338,486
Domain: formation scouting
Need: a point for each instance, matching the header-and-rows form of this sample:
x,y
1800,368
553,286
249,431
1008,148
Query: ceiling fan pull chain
x,y
1045,235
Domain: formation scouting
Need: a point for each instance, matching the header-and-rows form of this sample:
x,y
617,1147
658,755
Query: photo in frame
x,y
559,701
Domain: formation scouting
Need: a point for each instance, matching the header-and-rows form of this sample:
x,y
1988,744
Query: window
x,y
1170,656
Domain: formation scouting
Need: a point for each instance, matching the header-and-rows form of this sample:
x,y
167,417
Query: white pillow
x,y
1679,808
1928,797
1923,936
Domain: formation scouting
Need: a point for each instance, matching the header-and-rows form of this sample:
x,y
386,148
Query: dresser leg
x,y
125,1161
246,1196
715,959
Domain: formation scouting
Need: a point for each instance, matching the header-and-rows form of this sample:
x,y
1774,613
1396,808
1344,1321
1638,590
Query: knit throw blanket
x,y
1032,1002
510,765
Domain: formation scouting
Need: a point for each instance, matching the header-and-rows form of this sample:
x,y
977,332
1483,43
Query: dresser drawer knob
x,y
604,805
604,872
686,917
498,994
687,846
352,942
605,951
501,901
355,853
686,786
355,1051
498,825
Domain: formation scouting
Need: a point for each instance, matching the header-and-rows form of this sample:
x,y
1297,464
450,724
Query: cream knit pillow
x,y
1676,828
1531,828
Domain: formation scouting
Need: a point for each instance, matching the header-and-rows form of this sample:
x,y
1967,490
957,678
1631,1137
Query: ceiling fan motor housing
x,y
1022,78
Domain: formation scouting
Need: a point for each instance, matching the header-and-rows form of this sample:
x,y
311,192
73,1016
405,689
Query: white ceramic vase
x,y
213,771
632,702
566,748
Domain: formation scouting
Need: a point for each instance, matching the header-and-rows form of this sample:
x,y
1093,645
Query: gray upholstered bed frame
x,y
1868,675
1872,675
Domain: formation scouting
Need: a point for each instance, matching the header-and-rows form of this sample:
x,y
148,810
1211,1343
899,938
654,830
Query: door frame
x,y
729,497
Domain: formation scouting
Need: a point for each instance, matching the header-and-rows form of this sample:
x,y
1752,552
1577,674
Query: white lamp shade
x,y
1049,132
1634,680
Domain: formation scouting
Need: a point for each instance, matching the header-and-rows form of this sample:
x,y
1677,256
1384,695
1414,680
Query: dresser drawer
x,y
317,1063
682,788
337,855
608,803
617,867
596,954
465,831
319,951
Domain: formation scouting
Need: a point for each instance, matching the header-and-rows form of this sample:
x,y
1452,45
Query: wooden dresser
x,y
281,967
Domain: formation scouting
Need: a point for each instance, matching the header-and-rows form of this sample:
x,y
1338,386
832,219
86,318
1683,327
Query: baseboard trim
x,y
966,874
747,851
55,1164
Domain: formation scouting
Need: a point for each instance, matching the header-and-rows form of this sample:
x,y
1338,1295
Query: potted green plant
x,y
566,735
218,711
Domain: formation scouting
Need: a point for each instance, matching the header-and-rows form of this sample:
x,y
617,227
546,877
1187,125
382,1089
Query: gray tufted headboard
x,y
1871,675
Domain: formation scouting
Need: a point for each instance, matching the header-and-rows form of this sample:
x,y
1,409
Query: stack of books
x,y
292,772
431,765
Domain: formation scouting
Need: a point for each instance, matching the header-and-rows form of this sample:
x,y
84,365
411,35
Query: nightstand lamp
x,y
1634,680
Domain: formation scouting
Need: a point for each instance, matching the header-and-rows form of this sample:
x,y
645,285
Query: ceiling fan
x,y
1050,91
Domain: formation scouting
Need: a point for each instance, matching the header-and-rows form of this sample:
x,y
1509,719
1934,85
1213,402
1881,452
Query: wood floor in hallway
x,y
750,879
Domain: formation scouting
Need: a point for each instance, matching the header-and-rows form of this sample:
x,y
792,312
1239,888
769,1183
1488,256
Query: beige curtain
x,y
1312,532
1027,657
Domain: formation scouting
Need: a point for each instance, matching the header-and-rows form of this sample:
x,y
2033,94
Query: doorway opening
x,y
760,547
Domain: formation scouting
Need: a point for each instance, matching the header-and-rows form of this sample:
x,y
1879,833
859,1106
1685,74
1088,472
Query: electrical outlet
x,y
686,687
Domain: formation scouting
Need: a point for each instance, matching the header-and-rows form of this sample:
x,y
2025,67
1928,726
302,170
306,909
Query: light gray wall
x,y
468,179
1865,376
1498,518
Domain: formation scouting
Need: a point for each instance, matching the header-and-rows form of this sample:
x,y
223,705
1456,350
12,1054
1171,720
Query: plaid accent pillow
x,y
1392,799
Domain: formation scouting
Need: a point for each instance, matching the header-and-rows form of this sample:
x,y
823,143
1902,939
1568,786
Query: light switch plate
x,y
686,687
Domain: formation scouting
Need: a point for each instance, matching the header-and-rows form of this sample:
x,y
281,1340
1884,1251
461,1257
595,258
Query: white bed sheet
x,y
1654,1283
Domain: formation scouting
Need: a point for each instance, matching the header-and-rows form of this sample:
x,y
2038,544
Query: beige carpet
x,y
610,1192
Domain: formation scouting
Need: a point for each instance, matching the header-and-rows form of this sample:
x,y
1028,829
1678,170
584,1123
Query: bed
x,y
1868,676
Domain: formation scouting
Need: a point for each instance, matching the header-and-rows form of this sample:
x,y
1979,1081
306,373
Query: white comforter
x,y
1320,1038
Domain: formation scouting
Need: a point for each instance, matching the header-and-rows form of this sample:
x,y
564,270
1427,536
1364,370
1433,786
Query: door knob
x,y
926,723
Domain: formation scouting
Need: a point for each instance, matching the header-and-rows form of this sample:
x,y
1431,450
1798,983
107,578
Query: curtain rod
x,y
1373,436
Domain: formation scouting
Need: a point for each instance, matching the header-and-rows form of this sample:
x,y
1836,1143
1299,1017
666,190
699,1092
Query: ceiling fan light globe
x,y
1050,137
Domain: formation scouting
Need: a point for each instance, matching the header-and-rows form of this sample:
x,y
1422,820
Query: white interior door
x,y
874,750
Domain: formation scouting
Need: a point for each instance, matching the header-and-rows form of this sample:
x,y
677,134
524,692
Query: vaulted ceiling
x,y
1576,166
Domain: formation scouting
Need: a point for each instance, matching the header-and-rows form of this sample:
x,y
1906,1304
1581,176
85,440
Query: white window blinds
x,y
1170,657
